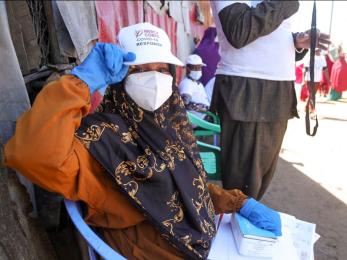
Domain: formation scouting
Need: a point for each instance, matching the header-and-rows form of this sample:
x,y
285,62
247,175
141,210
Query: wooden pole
x,y
331,17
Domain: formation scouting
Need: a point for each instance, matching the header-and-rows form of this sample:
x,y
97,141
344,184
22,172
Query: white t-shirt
x,y
270,57
195,90
319,64
209,88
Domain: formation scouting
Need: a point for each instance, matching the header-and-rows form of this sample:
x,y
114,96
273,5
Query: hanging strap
x,y
311,102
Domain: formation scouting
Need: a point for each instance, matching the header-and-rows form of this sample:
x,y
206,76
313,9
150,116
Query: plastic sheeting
x,y
14,99
164,22
79,18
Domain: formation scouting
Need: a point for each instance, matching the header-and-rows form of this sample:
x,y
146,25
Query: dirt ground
x,y
311,178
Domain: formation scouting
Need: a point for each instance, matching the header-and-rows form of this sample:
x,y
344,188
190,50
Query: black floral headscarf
x,y
154,160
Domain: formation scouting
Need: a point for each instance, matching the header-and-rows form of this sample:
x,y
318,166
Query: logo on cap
x,y
147,37
138,33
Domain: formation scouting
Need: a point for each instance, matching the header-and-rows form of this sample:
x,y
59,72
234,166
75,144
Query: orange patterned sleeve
x,y
43,147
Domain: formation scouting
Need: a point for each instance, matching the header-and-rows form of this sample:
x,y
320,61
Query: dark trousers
x,y
250,152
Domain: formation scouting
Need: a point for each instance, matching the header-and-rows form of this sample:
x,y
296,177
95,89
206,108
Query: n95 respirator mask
x,y
149,89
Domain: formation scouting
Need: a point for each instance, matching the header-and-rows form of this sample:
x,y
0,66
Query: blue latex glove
x,y
103,66
262,216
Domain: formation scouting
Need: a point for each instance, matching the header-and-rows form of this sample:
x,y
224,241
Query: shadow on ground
x,y
334,118
294,193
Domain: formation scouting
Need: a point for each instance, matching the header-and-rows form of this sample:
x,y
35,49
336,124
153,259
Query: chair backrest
x,y
95,243
207,126
210,156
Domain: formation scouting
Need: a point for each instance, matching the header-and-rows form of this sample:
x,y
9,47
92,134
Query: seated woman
x,y
134,162
191,90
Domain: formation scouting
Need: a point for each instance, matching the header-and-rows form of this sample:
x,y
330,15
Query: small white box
x,y
251,240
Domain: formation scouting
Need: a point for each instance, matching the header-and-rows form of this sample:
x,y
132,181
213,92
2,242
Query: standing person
x,y
320,68
208,51
134,163
338,76
325,83
191,89
254,89
299,81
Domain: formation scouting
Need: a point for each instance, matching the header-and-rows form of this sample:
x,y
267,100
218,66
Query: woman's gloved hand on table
x,y
262,216
103,66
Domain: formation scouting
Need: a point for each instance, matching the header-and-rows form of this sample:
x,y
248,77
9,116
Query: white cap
x,y
149,43
194,60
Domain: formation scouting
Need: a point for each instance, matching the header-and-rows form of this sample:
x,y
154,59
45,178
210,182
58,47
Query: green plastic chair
x,y
210,156
205,128
214,117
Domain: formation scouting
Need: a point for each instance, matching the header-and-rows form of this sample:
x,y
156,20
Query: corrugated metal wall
x,y
112,15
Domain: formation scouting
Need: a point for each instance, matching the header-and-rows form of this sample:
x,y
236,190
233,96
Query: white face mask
x,y
195,74
149,89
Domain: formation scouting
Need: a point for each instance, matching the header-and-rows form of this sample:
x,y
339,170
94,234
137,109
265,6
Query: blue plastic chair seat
x,y
95,243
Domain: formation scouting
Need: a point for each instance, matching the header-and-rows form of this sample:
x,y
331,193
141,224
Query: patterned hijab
x,y
153,159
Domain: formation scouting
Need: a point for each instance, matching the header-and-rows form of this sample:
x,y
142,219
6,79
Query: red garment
x,y
339,75
304,92
299,73
95,100
324,84
330,64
